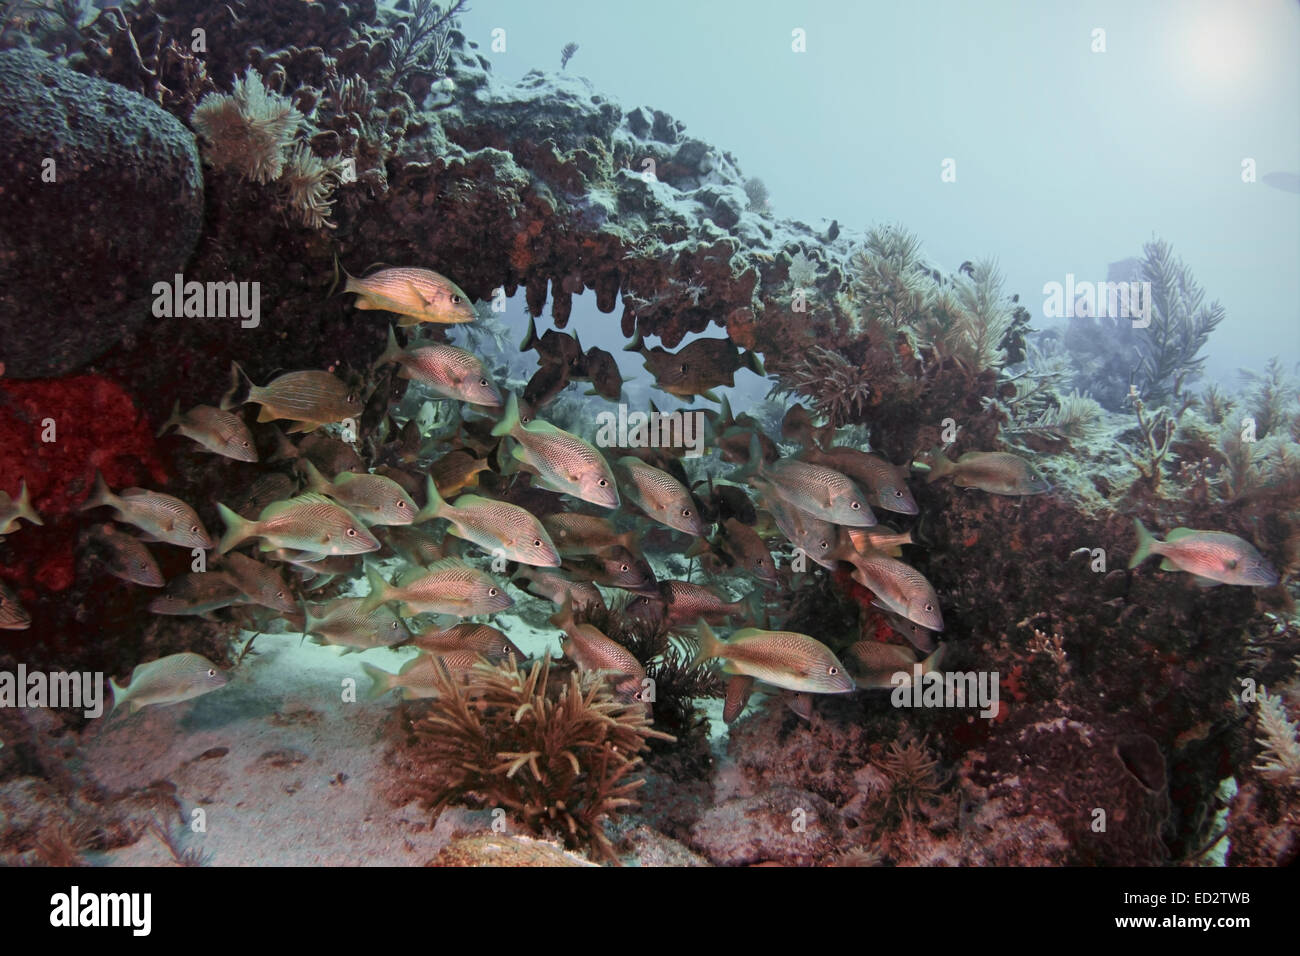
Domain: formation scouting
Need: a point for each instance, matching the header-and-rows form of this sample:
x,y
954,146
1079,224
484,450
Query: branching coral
x,y
984,320
1075,416
1180,324
1280,739
559,755
421,42
838,390
893,288
248,130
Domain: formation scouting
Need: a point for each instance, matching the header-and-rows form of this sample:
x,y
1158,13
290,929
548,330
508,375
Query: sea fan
x,y
247,131
1279,738
558,755
1180,325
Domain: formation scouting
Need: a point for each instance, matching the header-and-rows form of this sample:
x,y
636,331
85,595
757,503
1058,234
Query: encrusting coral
x,y
558,753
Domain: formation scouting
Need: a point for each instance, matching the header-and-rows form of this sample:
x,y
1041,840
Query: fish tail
x,y
315,480
119,695
1146,541
393,353
637,344
931,663
25,509
509,419
175,419
236,529
530,338
339,272
563,618
755,464
755,363
379,590
941,466
241,388
753,605
100,495
434,504
710,646
381,682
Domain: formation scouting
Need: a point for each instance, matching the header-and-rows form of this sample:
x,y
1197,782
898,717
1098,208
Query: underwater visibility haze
x,y
827,434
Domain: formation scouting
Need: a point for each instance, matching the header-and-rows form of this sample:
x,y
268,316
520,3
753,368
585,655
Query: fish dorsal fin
x,y
473,501
307,498
134,492
344,477
1179,533
446,564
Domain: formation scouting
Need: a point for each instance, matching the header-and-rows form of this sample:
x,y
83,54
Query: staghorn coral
x,y
557,754
1280,739
248,130
1181,324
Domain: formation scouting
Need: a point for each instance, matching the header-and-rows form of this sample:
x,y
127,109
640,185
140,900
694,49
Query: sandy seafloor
x,y
303,780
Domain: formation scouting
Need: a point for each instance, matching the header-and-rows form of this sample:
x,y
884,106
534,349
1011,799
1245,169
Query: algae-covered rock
x,y
101,195
781,825
504,850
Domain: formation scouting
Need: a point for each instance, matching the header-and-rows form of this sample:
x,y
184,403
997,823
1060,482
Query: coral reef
x,y
557,754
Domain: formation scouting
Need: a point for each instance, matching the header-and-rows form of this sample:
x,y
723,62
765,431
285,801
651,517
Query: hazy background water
x,y
1066,159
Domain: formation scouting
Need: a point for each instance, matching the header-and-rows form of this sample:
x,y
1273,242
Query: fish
x,y
816,538
919,637
554,347
449,371
413,544
374,499
546,385
260,583
615,568
415,295
555,587
577,534
589,648
1212,557
997,472
198,593
880,538
897,587
331,455
266,489
161,517
480,638
601,370
744,549
417,680
798,426
168,680
881,662
310,523
342,623
886,483
13,617
447,587
724,502
220,432
307,399
784,659
697,368
661,496
681,602
456,471
820,492
125,556
12,510
739,689
499,528
562,462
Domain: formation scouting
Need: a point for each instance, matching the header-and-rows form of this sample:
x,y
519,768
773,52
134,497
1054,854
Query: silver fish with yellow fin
x,y
661,496
310,523
450,371
498,527
161,517
447,587
1212,557
220,432
168,680
307,399
374,499
783,659
416,295
996,472
560,461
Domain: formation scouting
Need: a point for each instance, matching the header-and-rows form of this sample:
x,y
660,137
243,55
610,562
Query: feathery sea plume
x,y
1180,325
309,182
248,130
1280,739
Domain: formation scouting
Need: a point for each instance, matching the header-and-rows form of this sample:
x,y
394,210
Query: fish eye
x,y
537,542
623,567
684,367
211,672
352,532
393,626
604,483
401,503
244,443
483,382
456,300
279,594
492,592
855,506
823,544
194,529
352,398
898,494
686,512
929,607
832,670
